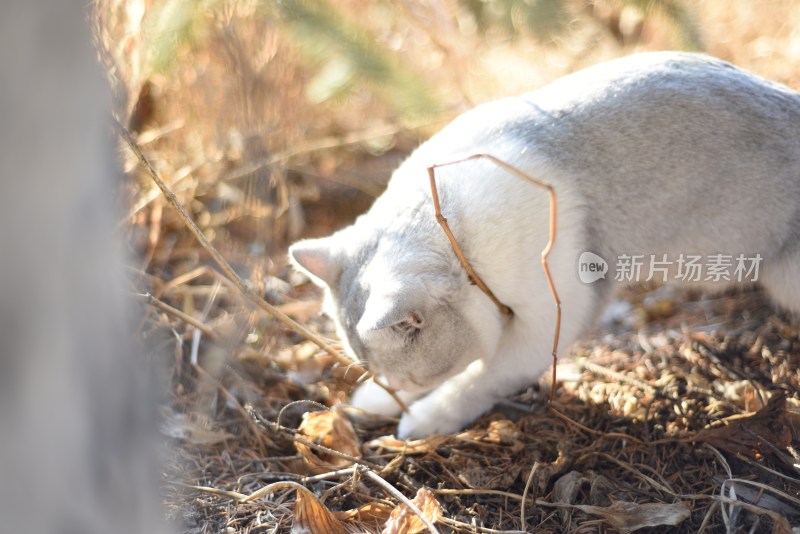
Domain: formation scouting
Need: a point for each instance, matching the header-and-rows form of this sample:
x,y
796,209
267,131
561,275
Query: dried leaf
x,y
631,516
332,430
754,436
312,517
372,513
499,432
404,521
409,448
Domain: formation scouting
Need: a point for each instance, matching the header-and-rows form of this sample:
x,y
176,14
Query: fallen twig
x,y
399,496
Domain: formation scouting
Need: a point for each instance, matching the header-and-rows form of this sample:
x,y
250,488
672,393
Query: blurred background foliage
x,y
275,119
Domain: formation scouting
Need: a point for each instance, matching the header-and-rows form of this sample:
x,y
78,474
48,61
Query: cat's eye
x,y
410,328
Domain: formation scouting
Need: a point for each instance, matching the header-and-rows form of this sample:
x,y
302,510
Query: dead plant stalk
x,y
240,284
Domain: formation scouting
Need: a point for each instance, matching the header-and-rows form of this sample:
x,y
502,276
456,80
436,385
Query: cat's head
x,y
406,311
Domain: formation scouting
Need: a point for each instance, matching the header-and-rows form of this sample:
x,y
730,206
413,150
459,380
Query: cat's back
x,y
654,136
675,144
640,111
670,94
663,79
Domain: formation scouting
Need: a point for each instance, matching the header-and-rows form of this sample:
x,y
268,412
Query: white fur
x,y
656,153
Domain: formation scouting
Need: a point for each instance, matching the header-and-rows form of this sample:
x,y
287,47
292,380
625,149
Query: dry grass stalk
x,y
528,482
240,284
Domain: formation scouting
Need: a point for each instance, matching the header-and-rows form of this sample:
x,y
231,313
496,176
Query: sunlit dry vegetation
x,y
272,120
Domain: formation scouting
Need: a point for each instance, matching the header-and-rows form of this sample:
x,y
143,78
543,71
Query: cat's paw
x,y
426,417
372,398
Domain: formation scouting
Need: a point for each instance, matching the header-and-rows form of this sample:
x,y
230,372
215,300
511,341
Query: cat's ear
x,y
395,313
320,259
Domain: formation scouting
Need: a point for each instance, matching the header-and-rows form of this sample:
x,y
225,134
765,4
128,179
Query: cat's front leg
x,y
373,398
468,395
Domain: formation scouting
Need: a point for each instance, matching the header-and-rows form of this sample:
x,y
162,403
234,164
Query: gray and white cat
x,y
650,155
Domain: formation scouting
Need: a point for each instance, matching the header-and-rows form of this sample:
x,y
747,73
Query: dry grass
x,y
225,117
